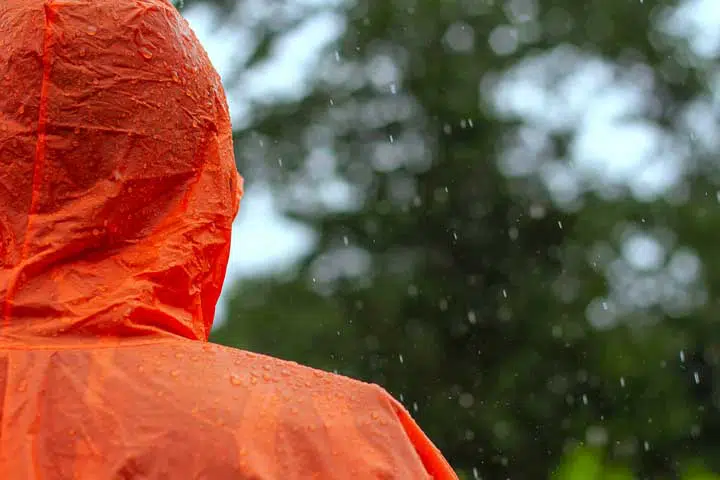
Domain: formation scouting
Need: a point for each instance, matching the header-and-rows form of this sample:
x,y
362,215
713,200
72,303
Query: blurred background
x,y
503,211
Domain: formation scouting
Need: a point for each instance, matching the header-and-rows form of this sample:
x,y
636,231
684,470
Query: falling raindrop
x,y
443,305
622,382
345,240
696,376
400,357
585,399
682,356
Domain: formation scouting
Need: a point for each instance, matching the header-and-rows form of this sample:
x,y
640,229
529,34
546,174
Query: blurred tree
x,y
479,254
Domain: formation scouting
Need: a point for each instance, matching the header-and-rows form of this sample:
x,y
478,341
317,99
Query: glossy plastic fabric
x,y
117,193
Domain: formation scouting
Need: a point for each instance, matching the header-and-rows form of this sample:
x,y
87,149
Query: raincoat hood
x,y
118,185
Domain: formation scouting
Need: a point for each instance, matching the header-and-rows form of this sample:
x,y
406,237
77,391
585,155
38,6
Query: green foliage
x,y
587,464
479,269
584,463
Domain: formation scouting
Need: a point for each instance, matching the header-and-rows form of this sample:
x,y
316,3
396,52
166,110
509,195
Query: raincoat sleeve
x,y
434,462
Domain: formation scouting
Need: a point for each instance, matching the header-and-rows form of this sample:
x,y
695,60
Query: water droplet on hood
x,y
146,53
91,30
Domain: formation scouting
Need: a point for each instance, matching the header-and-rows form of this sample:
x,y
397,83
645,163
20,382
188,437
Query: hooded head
x,y
118,185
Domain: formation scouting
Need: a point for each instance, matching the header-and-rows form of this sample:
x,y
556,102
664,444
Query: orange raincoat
x,y
118,189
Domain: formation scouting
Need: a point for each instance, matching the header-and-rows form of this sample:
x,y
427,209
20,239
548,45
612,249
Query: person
x,y
118,189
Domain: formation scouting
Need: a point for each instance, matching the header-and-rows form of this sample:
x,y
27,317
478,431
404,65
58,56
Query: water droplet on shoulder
x,y
146,53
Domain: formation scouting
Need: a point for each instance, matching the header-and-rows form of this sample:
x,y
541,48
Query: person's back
x,y
181,409
118,189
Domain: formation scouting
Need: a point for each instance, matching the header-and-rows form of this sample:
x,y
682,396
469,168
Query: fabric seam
x,y
40,154
95,346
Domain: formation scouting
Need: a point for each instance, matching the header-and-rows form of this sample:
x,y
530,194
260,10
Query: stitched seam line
x,y
40,154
